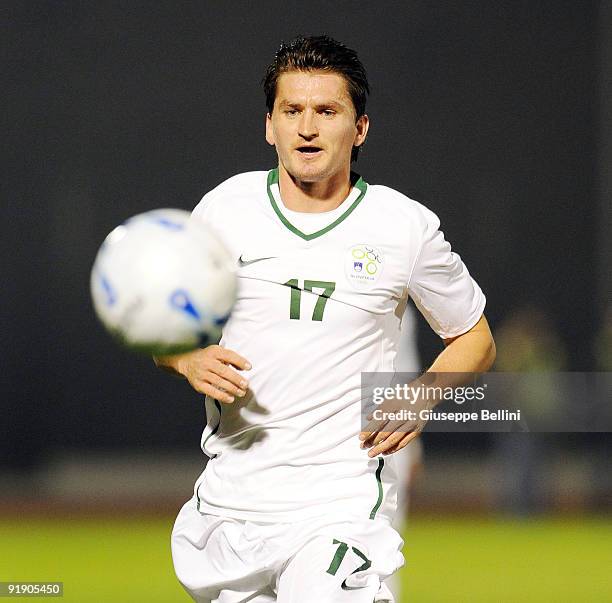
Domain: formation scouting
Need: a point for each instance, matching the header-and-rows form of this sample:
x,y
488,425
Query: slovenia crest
x,y
363,265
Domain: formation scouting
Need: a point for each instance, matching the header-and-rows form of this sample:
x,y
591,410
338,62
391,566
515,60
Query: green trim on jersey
x,y
381,464
360,184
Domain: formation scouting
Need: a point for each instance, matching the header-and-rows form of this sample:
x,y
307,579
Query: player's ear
x,y
269,130
362,125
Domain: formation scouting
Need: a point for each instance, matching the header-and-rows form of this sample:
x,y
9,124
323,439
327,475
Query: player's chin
x,y
310,173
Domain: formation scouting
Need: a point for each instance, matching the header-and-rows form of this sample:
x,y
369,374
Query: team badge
x,y
363,265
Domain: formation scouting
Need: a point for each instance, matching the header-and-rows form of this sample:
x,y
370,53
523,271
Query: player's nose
x,y
307,126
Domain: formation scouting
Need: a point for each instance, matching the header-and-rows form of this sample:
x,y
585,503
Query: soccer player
x,y
295,504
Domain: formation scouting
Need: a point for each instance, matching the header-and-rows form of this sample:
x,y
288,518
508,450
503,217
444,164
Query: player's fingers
x,y
391,427
228,374
391,440
231,357
369,437
409,437
217,394
381,433
223,384
380,437
371,430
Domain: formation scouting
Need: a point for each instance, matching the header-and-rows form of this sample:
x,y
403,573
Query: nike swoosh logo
x,y
242,262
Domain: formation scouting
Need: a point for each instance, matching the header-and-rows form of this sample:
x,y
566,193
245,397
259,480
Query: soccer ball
x,y
163,284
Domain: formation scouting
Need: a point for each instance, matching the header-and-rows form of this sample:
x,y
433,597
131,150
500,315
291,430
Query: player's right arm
x,y
209,371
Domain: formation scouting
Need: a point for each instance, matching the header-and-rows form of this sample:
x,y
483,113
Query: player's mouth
x,y
309,151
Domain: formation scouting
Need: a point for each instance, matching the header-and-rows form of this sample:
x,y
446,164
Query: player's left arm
x,y
472,352
450,300
469,353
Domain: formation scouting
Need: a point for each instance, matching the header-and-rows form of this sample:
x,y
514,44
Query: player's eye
x,y
328,112
291,111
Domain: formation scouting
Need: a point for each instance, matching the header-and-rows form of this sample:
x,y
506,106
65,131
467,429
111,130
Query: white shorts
x,y
223,560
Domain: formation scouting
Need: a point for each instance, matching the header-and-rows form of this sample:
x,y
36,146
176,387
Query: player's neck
x,y
313,197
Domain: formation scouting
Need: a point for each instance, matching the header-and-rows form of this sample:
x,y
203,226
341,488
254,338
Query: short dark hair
x,y
322,53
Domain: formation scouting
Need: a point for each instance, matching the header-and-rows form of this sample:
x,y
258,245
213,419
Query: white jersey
x,y
319,301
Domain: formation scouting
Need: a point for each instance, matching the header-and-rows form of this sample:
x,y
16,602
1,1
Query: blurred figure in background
x,y
531,343
527,343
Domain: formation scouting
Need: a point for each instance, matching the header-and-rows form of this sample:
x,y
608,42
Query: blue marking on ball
x,y
180,300
111,295
169,224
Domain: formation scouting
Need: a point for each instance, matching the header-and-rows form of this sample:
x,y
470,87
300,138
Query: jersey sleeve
x,y
441,286
210,211
202,211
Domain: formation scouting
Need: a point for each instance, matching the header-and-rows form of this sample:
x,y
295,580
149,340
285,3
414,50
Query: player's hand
x,y
384,436
209,371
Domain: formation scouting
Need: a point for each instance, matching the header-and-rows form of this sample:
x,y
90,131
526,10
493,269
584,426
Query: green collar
x,y
358,182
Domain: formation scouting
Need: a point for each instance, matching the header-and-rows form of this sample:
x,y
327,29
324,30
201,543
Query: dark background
x,y
496,115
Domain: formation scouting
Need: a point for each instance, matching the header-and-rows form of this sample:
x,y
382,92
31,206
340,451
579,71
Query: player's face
x,y
313,125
